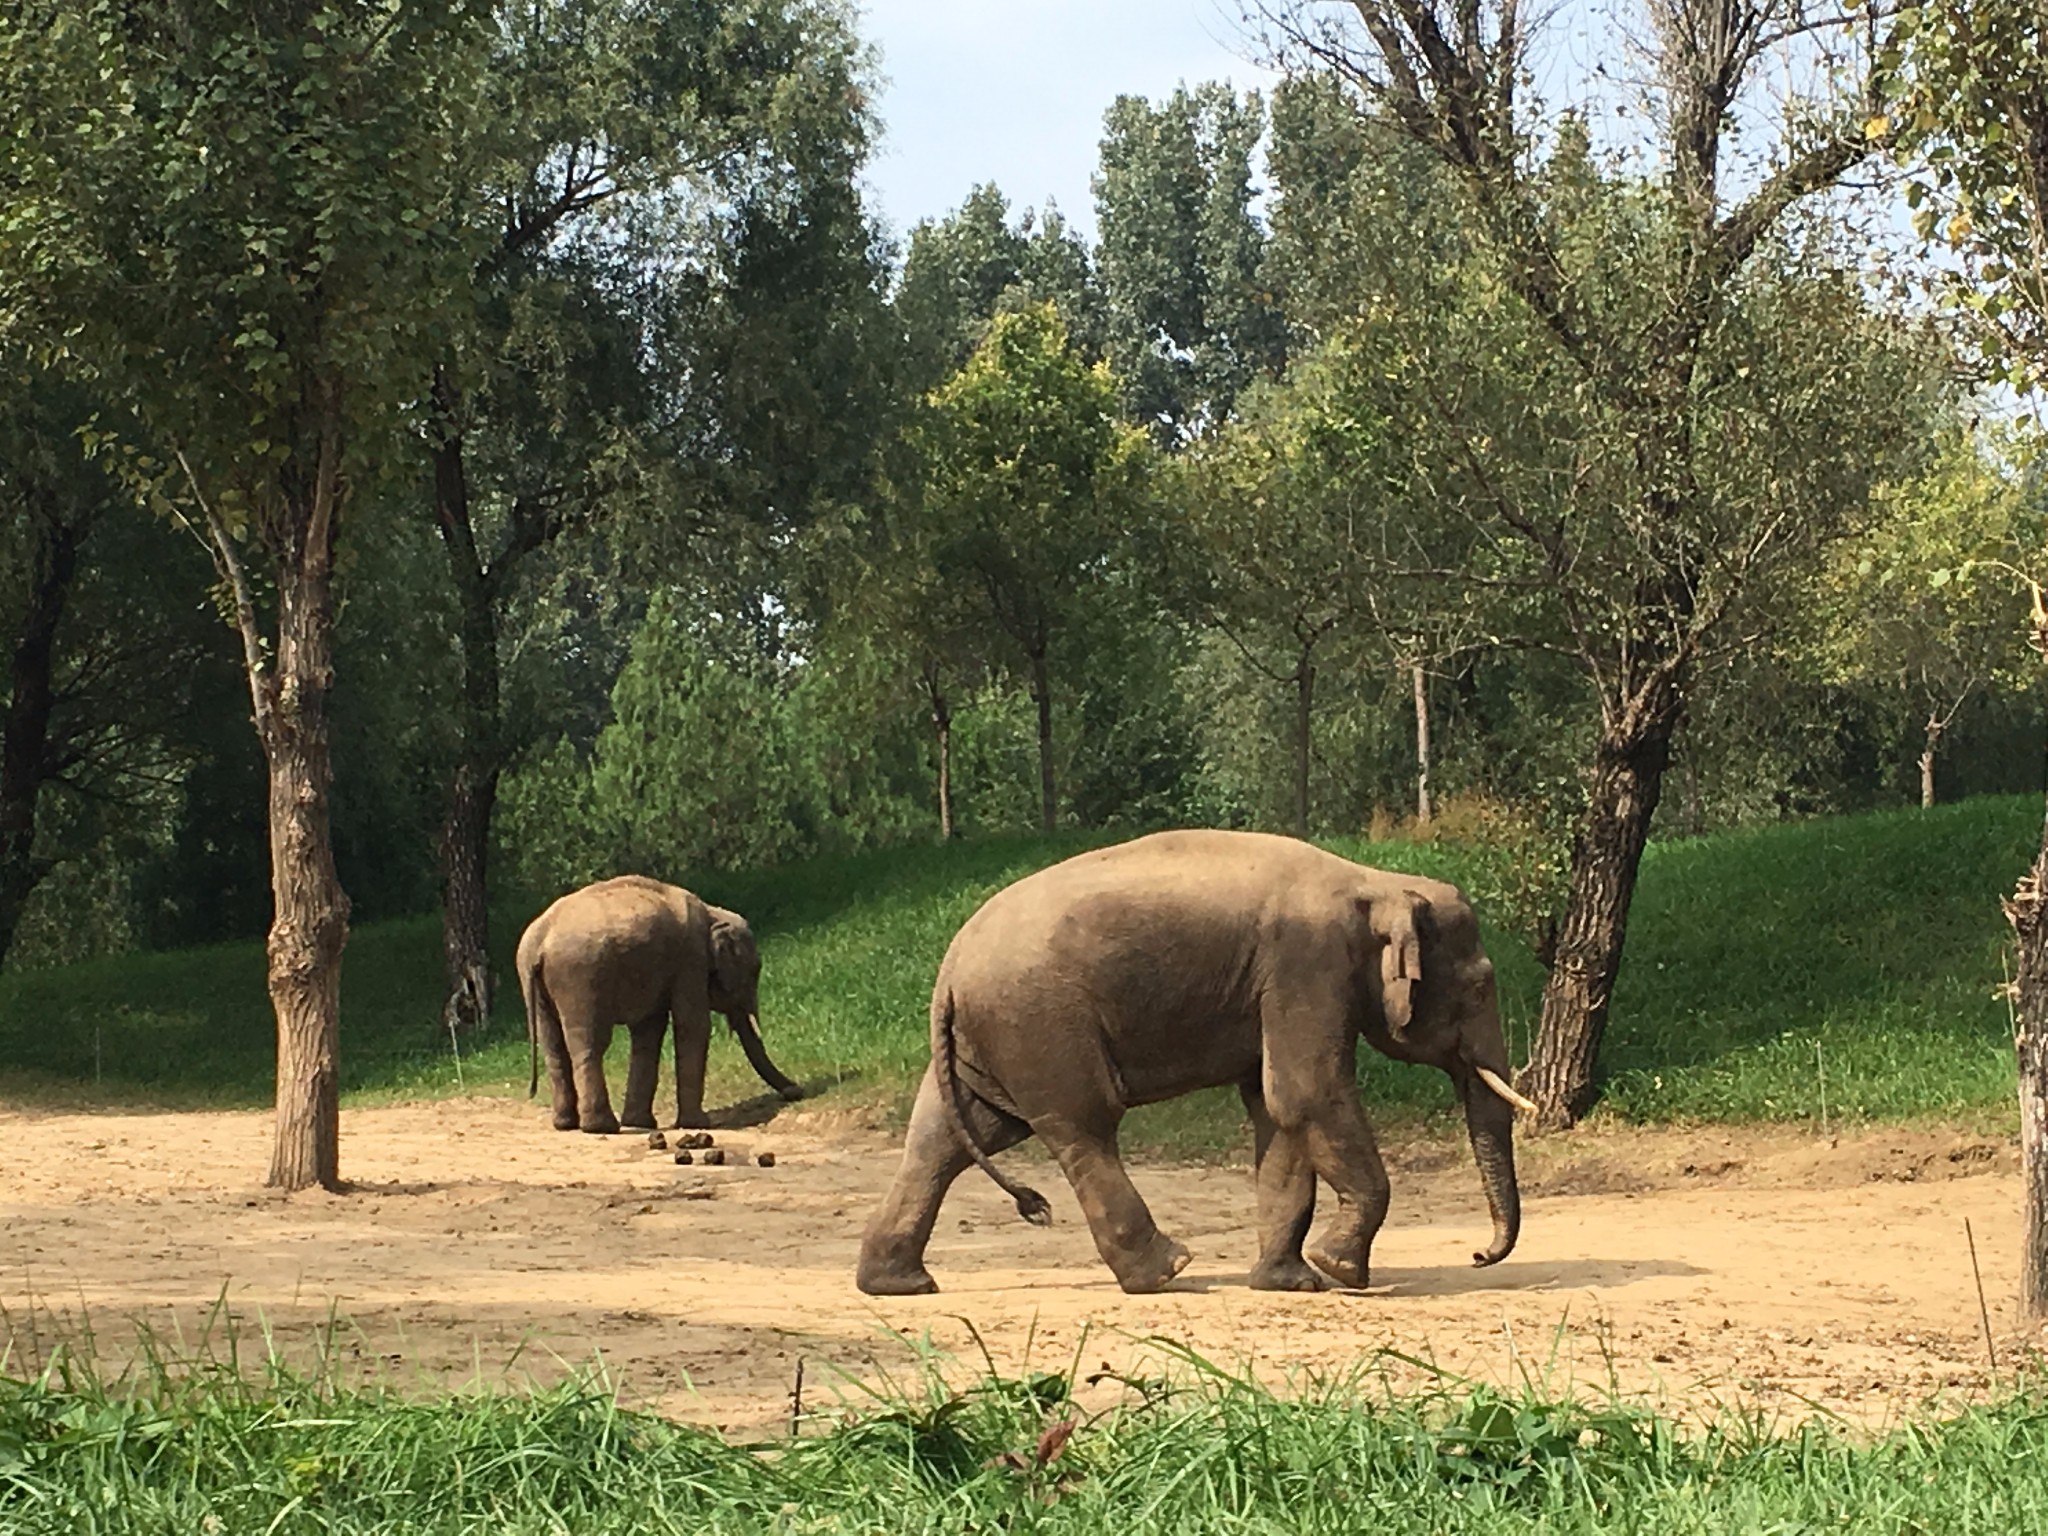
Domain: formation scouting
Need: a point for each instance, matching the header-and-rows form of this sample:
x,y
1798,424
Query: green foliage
x,y
105,651
1193,1449
964,270
1917,606
1966,79
263,239
1515,860
714,759
1191,316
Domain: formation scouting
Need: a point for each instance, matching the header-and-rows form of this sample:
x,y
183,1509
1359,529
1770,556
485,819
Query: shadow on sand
x,y
1468,1279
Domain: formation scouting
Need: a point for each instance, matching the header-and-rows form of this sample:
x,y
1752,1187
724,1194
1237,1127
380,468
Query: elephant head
x,y
1439,1007
735,991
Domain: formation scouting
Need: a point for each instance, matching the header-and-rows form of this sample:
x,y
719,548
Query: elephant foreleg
x,y
892,1249
594,1101
1341,1146
643,1068
692,1019
1141,1256
1287,1201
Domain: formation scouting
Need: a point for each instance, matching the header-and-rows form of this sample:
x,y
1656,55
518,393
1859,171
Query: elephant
x,y
1188,960
637,952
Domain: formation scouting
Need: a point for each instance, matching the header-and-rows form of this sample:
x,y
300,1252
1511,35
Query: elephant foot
x,y
565,1120
601,1125
696,1120
1160,1263
1290,1274
1353,1274
877,1278
632,1122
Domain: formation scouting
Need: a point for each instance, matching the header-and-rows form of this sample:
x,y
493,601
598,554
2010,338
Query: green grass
x,y
200,1452
1877,938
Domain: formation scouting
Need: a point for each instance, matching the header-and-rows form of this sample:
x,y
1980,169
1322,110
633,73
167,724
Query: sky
x,y
1014,92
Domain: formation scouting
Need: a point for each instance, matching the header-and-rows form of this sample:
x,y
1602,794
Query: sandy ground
x,y
1771,1269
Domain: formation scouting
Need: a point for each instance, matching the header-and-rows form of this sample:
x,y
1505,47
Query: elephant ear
x,y
1398,922
728,949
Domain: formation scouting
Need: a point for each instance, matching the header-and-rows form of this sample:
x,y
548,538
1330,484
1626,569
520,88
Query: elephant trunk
x,y
1490,1121
748,1027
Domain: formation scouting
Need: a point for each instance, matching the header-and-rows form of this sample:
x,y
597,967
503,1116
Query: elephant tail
x,y
530,985
1031,1205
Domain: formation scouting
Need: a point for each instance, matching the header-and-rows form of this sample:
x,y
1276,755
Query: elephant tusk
x,y
1499,1085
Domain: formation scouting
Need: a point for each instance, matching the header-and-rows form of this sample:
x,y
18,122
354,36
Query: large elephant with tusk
x,y
1189,960
636,952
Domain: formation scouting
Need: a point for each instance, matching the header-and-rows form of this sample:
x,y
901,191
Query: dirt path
x,y
1770,1268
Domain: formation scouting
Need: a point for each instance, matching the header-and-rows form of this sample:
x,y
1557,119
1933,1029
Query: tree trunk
x,y
31,701
309,926
1607,850
1423,809
1041,694
465,888
2027,911
1935,726
942,729
1304,739
473,782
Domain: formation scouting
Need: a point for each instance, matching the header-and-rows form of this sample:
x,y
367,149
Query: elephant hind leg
x,y
643,1070
1142,1257
593,1101
554,1049
892,1249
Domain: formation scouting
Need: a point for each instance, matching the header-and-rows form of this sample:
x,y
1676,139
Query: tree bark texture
x,y
309,909
1607,850
31,701
1041,694
309,925
1424,811
1304,738
473,781
2027,911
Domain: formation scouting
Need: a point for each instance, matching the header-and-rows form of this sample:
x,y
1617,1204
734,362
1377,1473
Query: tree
x,y
885,593
250,249
1895,610
1191,317
1289,512
1627,298
963,270
1971,97
101,641
1032,488
665,190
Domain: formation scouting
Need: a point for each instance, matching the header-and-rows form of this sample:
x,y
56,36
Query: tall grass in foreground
x,y
209,1454
1855,959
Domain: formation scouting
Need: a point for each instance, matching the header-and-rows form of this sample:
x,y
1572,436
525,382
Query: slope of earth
x,y
1766,1267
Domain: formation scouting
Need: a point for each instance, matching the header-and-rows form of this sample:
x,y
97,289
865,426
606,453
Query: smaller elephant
x,y
636,952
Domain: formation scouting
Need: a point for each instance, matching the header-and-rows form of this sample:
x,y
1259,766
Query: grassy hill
x,y
1877,939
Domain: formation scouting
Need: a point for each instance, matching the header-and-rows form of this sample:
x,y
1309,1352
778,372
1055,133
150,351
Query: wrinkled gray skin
x,y
636,952
1190,960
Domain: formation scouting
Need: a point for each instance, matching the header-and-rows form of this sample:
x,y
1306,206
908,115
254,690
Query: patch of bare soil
x,y
1763,1268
